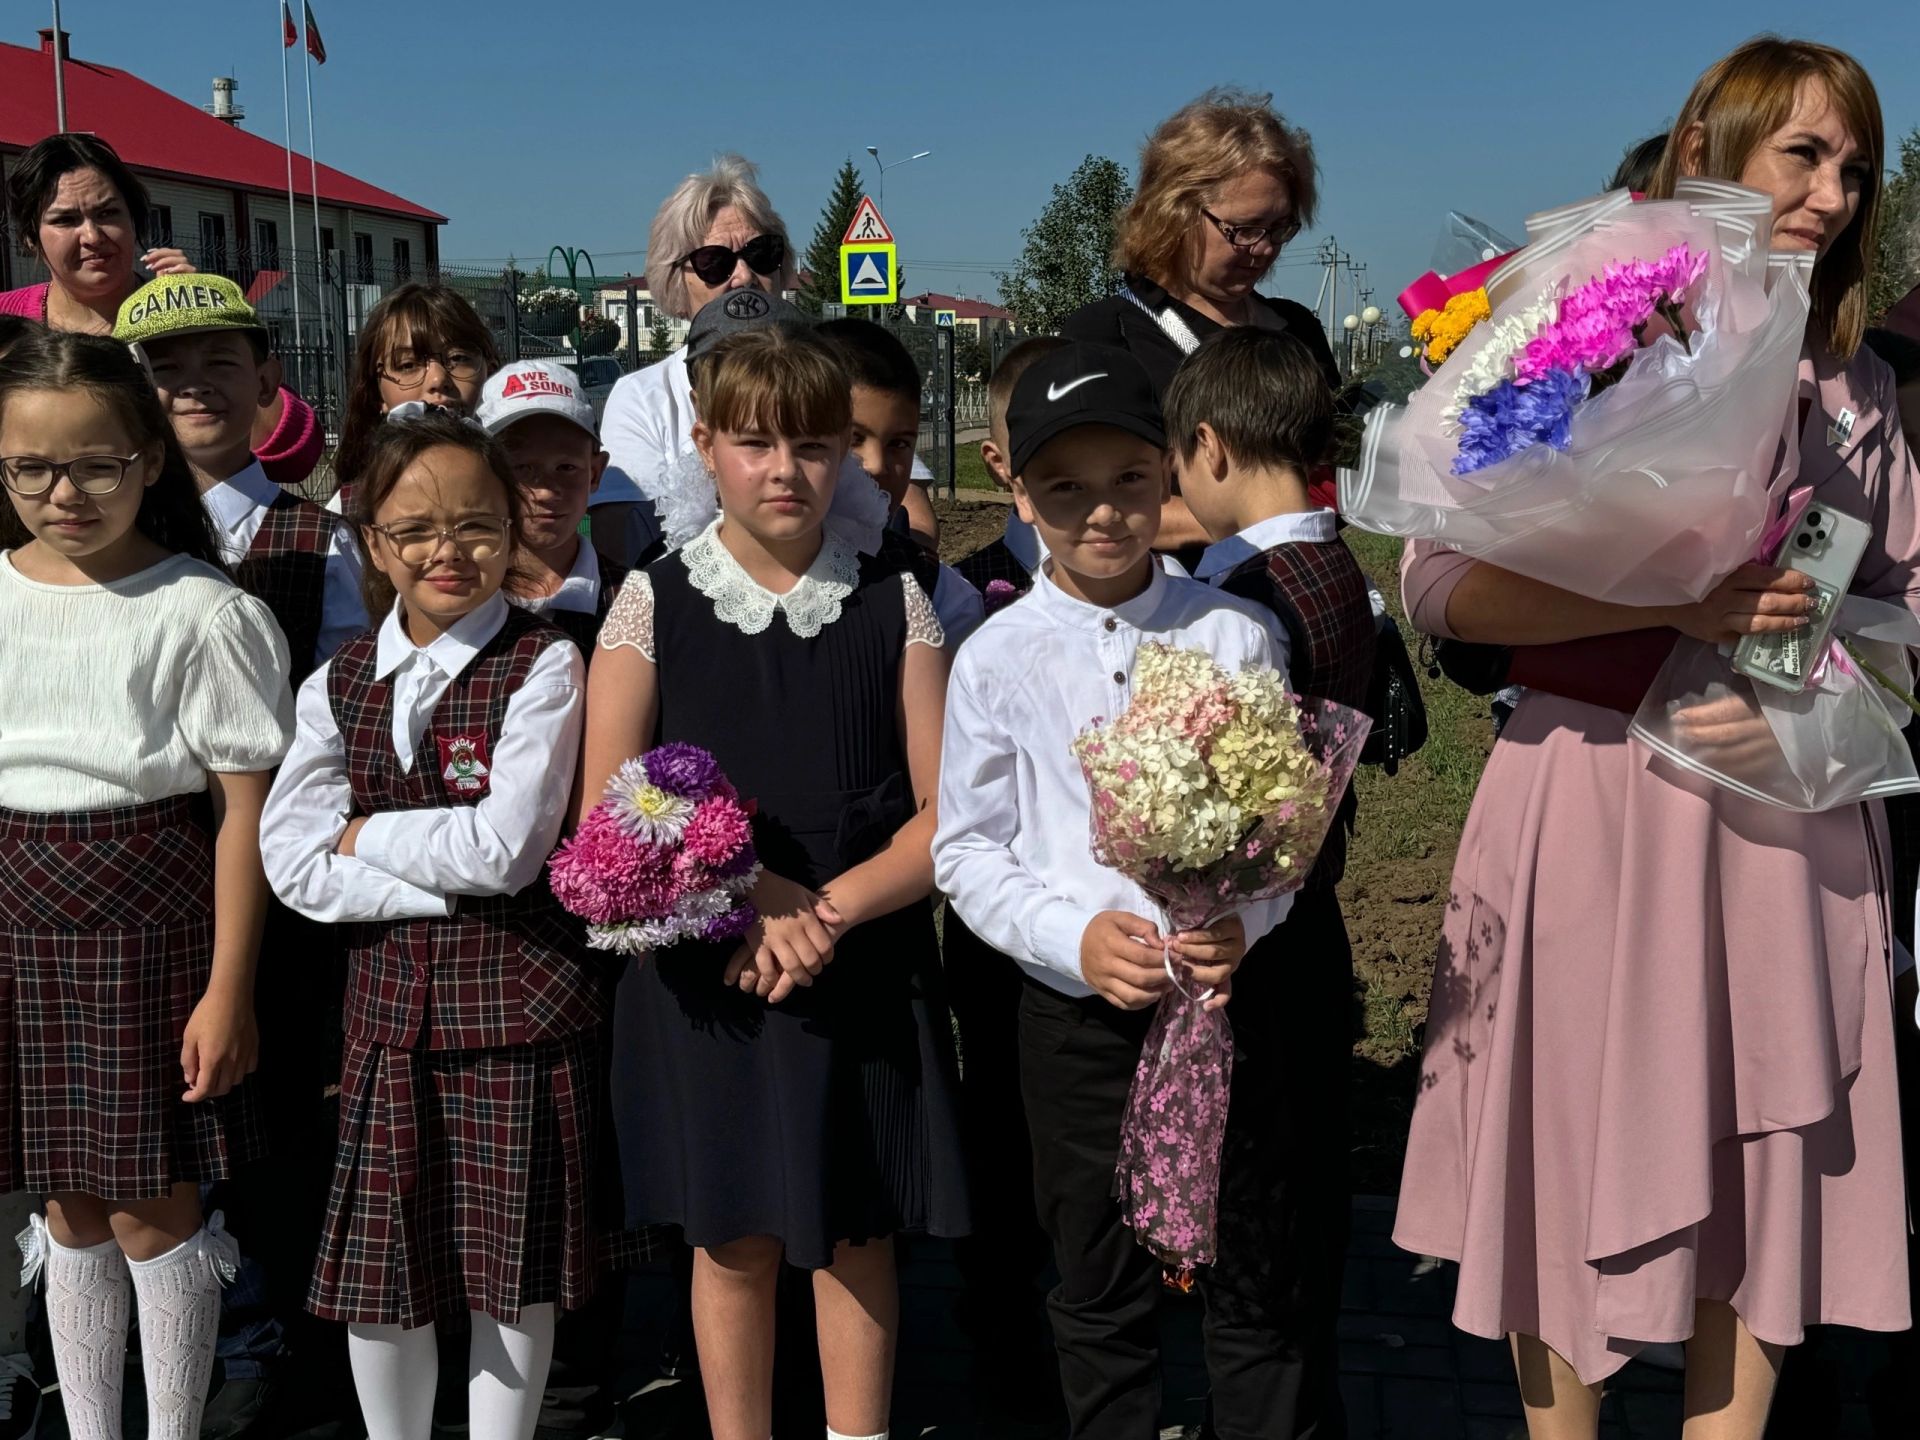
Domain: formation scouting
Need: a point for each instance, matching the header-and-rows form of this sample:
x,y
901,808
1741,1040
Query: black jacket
x,y
1118,321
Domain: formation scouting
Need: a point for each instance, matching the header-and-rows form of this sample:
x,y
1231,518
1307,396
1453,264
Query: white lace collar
x,y
810,606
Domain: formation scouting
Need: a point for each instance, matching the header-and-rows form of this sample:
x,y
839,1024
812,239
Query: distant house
x,y
987,322
219,192
610,300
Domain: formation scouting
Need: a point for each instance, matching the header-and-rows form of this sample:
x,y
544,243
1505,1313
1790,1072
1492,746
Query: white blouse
x,y
130,692
407,864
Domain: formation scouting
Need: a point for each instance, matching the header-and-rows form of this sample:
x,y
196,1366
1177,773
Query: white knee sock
x,y
833,1434
179,1296
88,1300
507,1373
394,1373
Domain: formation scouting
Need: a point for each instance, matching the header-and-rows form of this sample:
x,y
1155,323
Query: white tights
x,y
395,1371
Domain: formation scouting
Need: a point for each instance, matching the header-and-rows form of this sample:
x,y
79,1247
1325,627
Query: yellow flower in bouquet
x,y
1441,331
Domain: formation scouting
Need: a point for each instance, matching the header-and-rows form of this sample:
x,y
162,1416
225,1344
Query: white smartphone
x,y
1826,544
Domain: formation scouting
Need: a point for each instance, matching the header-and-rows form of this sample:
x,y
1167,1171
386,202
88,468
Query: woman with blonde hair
x,y
1225,184
716,232
1658,1100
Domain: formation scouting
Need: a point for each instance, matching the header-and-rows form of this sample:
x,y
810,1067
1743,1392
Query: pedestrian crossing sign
x,y
869,274
943,319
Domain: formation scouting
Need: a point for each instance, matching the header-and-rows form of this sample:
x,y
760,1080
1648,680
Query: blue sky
x,y
540,124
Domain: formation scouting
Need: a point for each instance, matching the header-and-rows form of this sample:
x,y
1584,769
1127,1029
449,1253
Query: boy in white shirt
x,y
1012,855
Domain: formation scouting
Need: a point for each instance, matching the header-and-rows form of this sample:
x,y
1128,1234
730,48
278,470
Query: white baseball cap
x,y
533,387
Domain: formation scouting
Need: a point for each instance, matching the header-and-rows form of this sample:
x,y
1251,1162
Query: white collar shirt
x,y
412,863
1011,851
1302,527
238,505
578,593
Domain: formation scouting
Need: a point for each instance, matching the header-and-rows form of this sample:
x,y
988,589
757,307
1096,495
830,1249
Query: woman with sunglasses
x,y
1225,183
716,232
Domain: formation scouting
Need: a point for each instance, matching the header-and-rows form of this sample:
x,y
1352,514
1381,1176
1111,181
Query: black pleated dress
x,y
830,1116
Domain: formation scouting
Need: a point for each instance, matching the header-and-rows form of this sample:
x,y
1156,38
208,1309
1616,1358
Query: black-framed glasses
x,y
1245,237
415,541
31,475
764,255
410,371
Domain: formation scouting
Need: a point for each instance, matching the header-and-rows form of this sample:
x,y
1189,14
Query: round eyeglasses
x,y
409,371
416,542
32,475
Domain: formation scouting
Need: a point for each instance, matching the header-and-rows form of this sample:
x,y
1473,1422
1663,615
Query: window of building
x,y
266,245
159,225
326,239
213,242
363,258
402,261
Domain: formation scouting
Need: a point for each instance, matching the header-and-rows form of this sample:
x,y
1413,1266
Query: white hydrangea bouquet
x,y
1210,791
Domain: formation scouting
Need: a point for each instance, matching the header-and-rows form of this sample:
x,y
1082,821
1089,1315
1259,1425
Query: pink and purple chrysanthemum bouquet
x,y
667,856
1613,425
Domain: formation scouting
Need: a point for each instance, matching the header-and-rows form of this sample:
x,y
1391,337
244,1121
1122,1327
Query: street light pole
x,y
880,173
59,73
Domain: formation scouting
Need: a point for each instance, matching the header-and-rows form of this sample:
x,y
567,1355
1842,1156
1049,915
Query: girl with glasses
x,y
431,768
133,767
422,342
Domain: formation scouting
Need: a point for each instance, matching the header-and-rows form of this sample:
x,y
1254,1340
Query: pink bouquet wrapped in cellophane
x,y
1614,425
1210,792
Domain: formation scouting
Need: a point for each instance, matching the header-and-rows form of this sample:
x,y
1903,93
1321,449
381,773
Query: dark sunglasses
x,y
764,255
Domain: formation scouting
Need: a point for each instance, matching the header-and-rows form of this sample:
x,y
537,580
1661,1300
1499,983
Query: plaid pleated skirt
x,y
106,946
466,1180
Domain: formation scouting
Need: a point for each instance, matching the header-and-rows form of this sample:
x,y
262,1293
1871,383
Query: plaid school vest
x,y
504,969
584,629
1317,590
285,569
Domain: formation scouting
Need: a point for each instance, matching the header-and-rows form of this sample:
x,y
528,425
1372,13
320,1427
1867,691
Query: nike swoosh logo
x,y
1058,392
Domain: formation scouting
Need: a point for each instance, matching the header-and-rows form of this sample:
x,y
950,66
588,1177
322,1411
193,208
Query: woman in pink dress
x,y
1657,1102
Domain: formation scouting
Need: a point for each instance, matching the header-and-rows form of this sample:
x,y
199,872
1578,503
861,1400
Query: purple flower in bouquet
x,y
667,856
683,770
998,594
1512,417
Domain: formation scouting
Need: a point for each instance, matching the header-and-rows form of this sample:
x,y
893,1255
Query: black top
x,y
1118,321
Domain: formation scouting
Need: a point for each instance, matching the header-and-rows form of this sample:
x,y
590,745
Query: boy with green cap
x,y
208,355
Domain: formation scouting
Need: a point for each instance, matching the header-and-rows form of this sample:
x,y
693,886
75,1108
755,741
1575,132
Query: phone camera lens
x,y
1820,534
1806,542
1813,517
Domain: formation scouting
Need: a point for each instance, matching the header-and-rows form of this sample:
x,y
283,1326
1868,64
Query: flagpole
x,y
313,165
293,214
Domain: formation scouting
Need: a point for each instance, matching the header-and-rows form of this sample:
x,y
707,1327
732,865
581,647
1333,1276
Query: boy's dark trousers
x,y
1273,1299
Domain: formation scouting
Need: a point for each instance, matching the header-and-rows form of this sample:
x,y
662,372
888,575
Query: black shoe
x,y
19,1398
235,1407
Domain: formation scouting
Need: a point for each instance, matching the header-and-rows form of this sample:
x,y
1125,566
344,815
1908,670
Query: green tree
x,y
1066,257
969,360
660,337
1897,237
822,262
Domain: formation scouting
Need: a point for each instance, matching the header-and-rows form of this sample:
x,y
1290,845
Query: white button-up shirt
x,y
238,506
579,592
410,863
1012,851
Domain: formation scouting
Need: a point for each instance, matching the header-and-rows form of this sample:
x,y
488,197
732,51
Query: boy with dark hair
x,y
886,425
208,355
1248,418
1088,459
1013,558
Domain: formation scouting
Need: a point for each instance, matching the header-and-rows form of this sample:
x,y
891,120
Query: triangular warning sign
x,y
867,275
867,225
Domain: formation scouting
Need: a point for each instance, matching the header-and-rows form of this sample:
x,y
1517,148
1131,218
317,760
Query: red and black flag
x,y
316,47
289,32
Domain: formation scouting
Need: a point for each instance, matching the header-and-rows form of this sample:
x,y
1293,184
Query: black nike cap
x,y
1081,384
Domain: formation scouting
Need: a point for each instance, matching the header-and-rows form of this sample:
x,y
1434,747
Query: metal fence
x,y
314,308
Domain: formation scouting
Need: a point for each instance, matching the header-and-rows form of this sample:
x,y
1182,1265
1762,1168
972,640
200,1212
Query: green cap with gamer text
x,y
189,304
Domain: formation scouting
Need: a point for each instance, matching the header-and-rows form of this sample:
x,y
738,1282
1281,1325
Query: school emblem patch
x,y
463,763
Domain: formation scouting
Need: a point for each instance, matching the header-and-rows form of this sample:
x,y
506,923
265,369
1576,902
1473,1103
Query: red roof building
x,y
219,191
963,308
